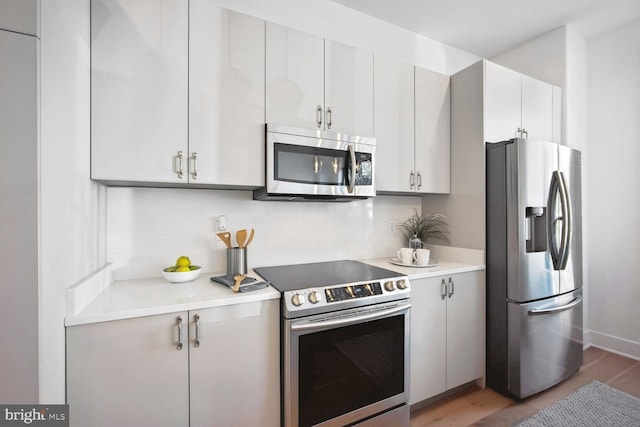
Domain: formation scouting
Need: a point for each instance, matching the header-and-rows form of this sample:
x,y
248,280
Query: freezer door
x,y
570,168
529,169
544,342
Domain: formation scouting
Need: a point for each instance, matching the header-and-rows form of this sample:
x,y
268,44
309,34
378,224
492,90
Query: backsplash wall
x,y
148,228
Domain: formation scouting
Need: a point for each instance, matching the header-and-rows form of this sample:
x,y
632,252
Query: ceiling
x,y
488,28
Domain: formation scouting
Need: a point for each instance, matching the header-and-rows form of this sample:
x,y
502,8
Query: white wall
x,y
150,227
72,208
614,180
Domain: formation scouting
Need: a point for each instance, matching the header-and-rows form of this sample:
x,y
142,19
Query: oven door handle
x,y
349,320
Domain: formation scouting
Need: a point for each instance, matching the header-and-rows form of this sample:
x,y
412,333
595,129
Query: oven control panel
x,y
344,296
354,291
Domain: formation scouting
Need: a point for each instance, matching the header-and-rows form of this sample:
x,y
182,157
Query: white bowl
x,y
181,276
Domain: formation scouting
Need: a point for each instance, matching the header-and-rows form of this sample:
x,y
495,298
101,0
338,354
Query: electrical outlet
x,y
222,225
392,227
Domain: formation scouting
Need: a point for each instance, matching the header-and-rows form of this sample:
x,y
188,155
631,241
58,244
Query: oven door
x,y
346,366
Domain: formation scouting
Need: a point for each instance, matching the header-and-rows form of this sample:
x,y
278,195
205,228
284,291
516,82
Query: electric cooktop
x,y
321,274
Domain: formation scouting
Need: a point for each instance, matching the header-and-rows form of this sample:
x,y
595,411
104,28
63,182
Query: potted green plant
x,y
419,229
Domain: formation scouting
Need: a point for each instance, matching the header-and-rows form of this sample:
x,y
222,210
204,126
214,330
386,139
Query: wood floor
x,y
478,407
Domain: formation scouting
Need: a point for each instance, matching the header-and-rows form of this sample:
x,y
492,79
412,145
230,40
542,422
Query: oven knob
x,y
389,286
314,297
402,284
297,299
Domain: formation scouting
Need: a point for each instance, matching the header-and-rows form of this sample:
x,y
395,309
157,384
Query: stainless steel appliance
x,y
345,344
534,265
303,164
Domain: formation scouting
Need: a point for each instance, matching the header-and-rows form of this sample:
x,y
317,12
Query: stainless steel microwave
x,y
305,164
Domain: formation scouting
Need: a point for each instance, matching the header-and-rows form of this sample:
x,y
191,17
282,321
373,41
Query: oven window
x,y
347,368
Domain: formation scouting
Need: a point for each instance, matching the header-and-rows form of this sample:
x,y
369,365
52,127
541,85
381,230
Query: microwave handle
x,y
352,157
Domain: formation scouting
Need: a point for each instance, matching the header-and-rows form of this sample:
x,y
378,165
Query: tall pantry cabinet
x,y
19,201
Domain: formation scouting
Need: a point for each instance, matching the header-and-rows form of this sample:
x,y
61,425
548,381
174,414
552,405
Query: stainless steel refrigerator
x,y
534,265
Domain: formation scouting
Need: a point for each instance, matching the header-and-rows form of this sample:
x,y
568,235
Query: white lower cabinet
x,y
447,333
133,372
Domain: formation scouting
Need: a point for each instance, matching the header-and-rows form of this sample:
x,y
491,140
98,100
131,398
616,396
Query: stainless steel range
x,y
345,344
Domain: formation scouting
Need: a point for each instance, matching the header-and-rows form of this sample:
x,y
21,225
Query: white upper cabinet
x,y
432,132
502,104
317,84
557,115
348,89
295,77
139,97
413,125
537,109
177,94
226,96
517,106
394,124
20,16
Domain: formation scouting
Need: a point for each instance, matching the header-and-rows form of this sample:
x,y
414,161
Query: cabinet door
x,y
21,16
235,369
433,132
465,329
294,77
139,99
394,118
537,108
19,216
128,372
502,103
348,89
557,115
226,96
428,339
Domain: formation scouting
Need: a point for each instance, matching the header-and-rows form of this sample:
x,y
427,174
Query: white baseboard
x,y
612,344
79,295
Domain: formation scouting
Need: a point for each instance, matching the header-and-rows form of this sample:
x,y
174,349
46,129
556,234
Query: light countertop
x,y
123,299
443,268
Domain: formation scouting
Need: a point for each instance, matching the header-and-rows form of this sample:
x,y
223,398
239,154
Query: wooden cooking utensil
x,y
239,278
226,238
241,237
250,238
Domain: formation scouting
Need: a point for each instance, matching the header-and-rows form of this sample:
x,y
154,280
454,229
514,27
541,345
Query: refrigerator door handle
x,y
565,307
566,223
559,255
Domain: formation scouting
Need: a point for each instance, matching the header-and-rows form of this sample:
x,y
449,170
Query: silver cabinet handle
x,y
412,180
180,154
419,175
443,289
450,287
194,171
179,323
329,122
319,115
196,342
